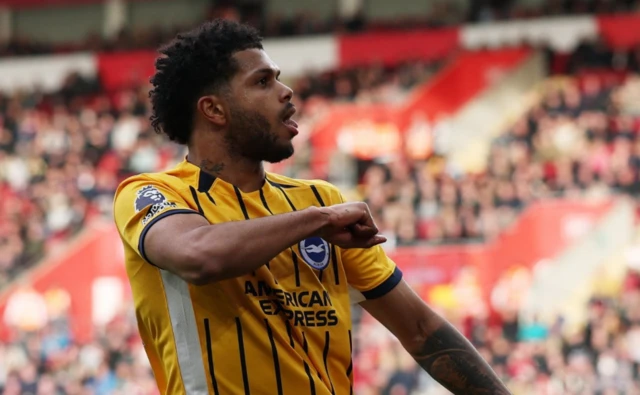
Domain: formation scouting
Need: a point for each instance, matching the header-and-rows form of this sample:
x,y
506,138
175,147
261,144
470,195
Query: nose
x,y
287,94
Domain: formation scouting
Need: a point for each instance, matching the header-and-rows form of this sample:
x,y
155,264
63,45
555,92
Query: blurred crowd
x,y
61,158
62,155
600,357
492,10
441,13
46,360
581,138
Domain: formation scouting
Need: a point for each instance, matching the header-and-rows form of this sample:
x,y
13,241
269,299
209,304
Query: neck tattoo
x,y
211,167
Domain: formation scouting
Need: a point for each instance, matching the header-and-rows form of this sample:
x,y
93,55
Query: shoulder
x,y
146,189
164,180
325,189
160,191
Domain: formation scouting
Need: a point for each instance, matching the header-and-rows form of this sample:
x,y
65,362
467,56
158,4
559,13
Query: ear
x,y
213,109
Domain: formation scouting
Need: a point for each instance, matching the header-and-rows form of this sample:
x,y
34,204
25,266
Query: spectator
x,y
441,13
595,359
63,155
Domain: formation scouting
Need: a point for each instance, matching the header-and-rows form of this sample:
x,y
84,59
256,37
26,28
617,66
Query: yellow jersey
x,y
283,329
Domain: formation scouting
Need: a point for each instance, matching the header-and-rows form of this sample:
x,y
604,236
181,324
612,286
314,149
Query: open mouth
x,y
290,123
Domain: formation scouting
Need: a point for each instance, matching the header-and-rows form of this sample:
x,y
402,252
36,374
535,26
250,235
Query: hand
x,y
350,226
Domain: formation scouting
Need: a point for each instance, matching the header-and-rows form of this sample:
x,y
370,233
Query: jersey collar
x,y
206,182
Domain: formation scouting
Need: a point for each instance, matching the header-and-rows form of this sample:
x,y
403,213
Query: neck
x,y
247,175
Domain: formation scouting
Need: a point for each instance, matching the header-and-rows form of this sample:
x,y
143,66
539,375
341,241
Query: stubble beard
x,y
250,137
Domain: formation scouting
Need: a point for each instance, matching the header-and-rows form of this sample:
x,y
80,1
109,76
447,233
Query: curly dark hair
x,y
193,63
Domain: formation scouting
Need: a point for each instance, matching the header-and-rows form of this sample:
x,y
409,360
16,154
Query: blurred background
x,y
496,141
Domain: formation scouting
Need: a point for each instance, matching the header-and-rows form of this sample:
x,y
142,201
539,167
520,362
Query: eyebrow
x,y
268,70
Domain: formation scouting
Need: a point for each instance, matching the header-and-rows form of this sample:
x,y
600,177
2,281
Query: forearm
x,y
236,248
434,343
453,361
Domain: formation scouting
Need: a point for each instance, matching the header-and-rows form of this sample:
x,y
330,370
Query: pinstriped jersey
x,y
283,329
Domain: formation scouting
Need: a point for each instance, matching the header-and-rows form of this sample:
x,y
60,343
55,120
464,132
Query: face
x,y
259,110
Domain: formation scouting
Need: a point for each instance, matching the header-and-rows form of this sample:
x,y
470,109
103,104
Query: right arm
x,y
160,225
201,253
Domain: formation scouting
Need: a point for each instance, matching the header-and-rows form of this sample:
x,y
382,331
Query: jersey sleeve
x,y
370,272
141,202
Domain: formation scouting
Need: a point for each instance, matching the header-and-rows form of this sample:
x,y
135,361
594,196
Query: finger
x,y
365,227
376,240
358,227
363,231
364,217
341,237
367,243
349,216
367,220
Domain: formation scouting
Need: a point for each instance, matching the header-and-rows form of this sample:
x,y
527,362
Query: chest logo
x,y
315,252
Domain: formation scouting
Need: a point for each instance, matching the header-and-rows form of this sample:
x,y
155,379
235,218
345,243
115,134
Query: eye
x,y
263,81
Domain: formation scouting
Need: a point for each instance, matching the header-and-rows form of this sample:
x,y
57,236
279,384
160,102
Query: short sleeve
x,y
370,272
139,203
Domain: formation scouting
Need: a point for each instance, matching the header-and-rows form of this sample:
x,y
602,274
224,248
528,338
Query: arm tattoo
x,y
212,168
451,360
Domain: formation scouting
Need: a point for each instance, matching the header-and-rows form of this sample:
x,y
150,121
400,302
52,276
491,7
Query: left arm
x,y
434,343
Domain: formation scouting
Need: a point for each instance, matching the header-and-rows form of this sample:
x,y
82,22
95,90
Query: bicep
x,y
403,312
155,220
169,242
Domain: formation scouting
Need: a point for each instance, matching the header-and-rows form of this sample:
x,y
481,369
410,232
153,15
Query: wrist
x,y
318,217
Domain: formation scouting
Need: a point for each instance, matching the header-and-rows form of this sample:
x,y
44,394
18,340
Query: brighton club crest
x,y
315,252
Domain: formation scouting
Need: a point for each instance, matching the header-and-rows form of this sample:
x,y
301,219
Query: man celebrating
x,y
243,280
